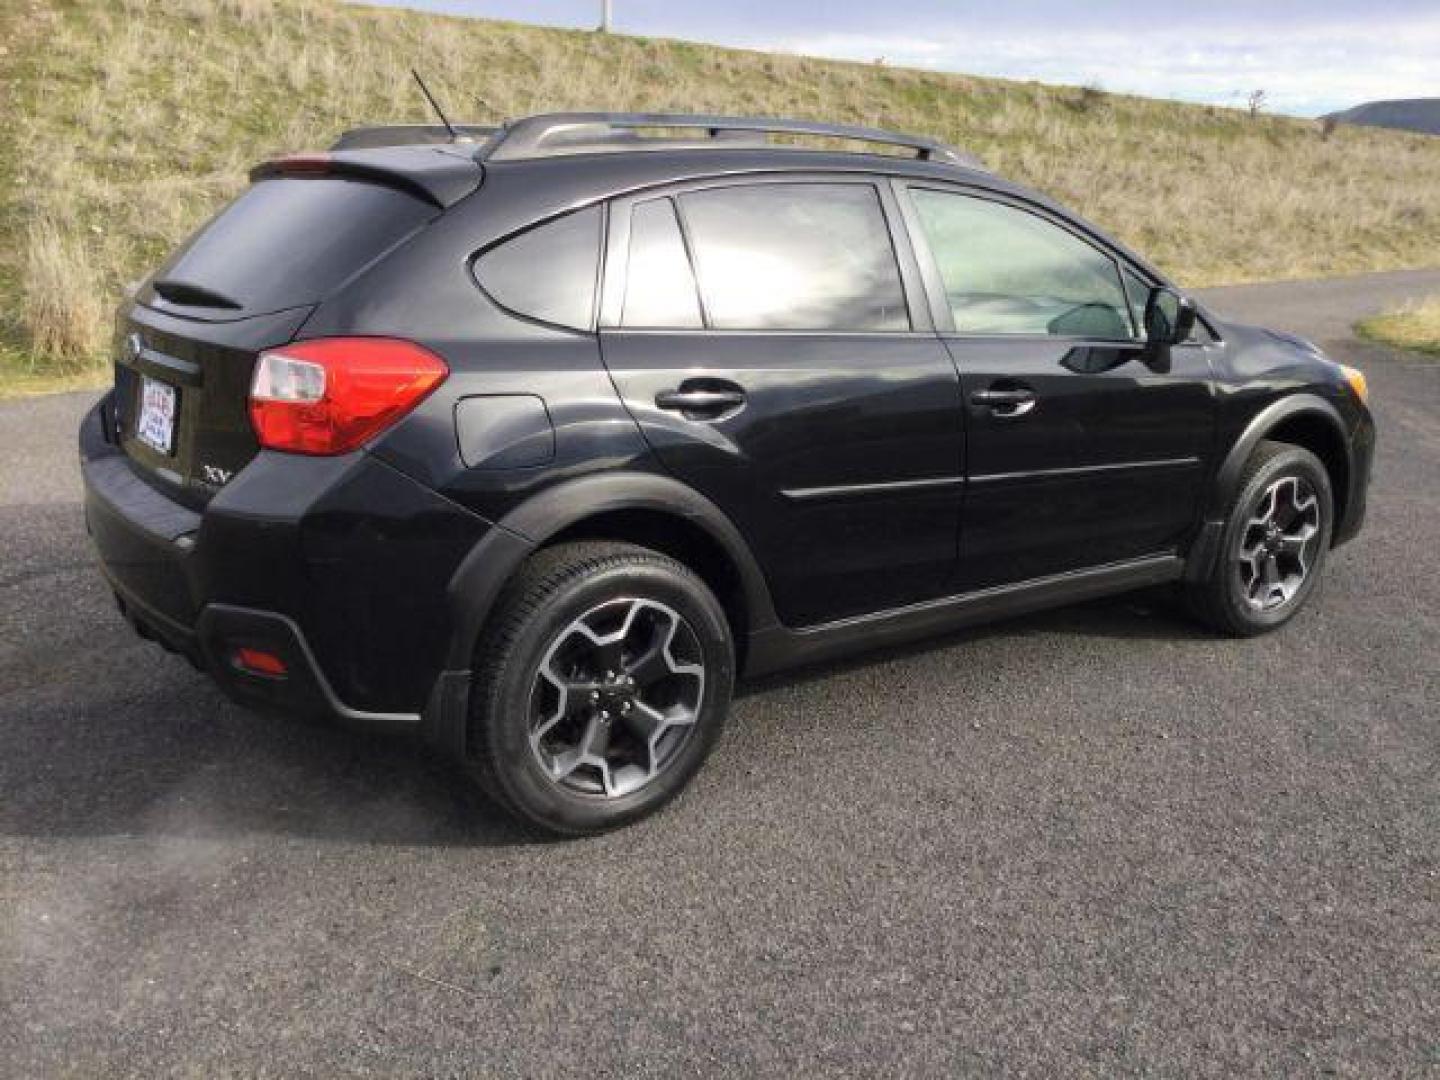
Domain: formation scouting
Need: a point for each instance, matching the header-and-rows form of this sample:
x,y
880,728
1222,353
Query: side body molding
x,y
484,572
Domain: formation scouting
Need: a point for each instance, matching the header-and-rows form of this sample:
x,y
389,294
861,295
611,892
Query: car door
x,y
1082,447
775,347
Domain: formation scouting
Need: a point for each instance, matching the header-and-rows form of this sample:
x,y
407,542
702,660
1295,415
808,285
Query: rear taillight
x,y
329,395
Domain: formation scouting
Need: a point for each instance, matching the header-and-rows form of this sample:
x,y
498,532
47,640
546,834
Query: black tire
x,y
554,589
1227,598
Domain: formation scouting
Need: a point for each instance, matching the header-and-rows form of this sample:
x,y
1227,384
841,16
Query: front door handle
x,y
1005,401
702,402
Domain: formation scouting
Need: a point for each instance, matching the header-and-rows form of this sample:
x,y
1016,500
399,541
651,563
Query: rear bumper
x,y
211,644
294,560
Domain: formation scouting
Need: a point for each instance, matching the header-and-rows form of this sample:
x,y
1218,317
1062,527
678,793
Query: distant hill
x,y
1407,114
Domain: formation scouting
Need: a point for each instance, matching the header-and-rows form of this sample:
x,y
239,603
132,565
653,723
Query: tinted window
x,y
291,241
659,284
548,272
795,257
1006,271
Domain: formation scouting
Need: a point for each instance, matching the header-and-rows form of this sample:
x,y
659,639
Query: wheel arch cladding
x,y
650,510
1305,420
684,541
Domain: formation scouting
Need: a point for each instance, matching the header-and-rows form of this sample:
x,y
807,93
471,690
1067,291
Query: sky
x,y
1309,57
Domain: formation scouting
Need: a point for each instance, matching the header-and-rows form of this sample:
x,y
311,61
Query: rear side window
x,y
291,241
1007,271
547,273
795,257
659,284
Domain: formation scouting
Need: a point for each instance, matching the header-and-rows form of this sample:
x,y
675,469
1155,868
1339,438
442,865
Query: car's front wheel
x,y
600,686
1277,534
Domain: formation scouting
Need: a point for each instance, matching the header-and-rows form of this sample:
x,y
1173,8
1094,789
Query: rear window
x,y
290,241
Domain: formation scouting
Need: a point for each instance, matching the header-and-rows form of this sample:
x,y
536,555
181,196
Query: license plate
x,y
156,425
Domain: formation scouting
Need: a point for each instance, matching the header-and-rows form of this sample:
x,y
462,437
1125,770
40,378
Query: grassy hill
x,y
128,121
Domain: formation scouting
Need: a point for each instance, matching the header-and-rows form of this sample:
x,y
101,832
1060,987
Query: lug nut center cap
x,y
615,698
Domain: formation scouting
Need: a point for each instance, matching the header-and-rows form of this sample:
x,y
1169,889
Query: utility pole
x,y
606,15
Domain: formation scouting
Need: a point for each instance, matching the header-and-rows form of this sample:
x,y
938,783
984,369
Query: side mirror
x,y
1169,317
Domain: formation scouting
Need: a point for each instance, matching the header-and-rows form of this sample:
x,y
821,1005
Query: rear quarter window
x,y
291,241
547,273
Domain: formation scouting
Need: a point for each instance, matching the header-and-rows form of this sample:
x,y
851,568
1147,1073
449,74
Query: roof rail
x,y
371,138
555,134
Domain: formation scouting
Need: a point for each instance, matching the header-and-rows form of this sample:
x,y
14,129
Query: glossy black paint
x,y
349,549
1107,464
852,421
210,364
868,487
504,431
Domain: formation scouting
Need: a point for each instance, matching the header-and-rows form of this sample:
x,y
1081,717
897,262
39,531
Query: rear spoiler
x,y
373,138
438,174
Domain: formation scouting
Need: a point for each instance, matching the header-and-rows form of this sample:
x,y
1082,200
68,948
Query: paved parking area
x,y
1096,841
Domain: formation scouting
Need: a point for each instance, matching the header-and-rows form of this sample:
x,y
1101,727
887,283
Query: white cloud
x,y
1303,69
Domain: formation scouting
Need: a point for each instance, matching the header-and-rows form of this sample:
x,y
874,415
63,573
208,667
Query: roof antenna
x,y
455,136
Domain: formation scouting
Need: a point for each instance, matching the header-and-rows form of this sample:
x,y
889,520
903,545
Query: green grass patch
x,y
1414,327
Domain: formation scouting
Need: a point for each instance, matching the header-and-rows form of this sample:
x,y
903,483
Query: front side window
x,y
547,273
802,256
1007,271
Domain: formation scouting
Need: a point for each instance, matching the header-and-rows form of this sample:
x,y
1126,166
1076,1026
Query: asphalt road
x,y
1094,842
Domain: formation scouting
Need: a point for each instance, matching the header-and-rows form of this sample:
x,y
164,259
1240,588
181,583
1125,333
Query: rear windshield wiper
x,y
187,295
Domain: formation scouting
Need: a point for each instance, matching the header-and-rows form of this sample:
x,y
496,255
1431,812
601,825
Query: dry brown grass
x,y
61,306
131,120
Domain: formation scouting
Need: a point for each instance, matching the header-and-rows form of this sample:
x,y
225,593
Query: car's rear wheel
x,y
1273,548
600,686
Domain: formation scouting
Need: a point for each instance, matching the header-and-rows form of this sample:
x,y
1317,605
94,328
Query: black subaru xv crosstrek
x,y
534,440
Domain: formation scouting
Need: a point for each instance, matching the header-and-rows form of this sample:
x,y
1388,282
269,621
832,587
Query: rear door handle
x,y
1007,401
702,402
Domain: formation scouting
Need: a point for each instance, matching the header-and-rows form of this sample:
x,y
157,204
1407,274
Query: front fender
x,y
1205,549
1227,477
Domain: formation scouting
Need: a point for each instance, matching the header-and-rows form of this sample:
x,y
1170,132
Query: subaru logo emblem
x,y
134,346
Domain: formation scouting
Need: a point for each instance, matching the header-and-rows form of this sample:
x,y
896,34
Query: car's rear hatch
x,y
186,346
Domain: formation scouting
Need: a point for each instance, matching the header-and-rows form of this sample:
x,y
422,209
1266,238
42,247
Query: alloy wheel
x,y
616,697
1277,544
